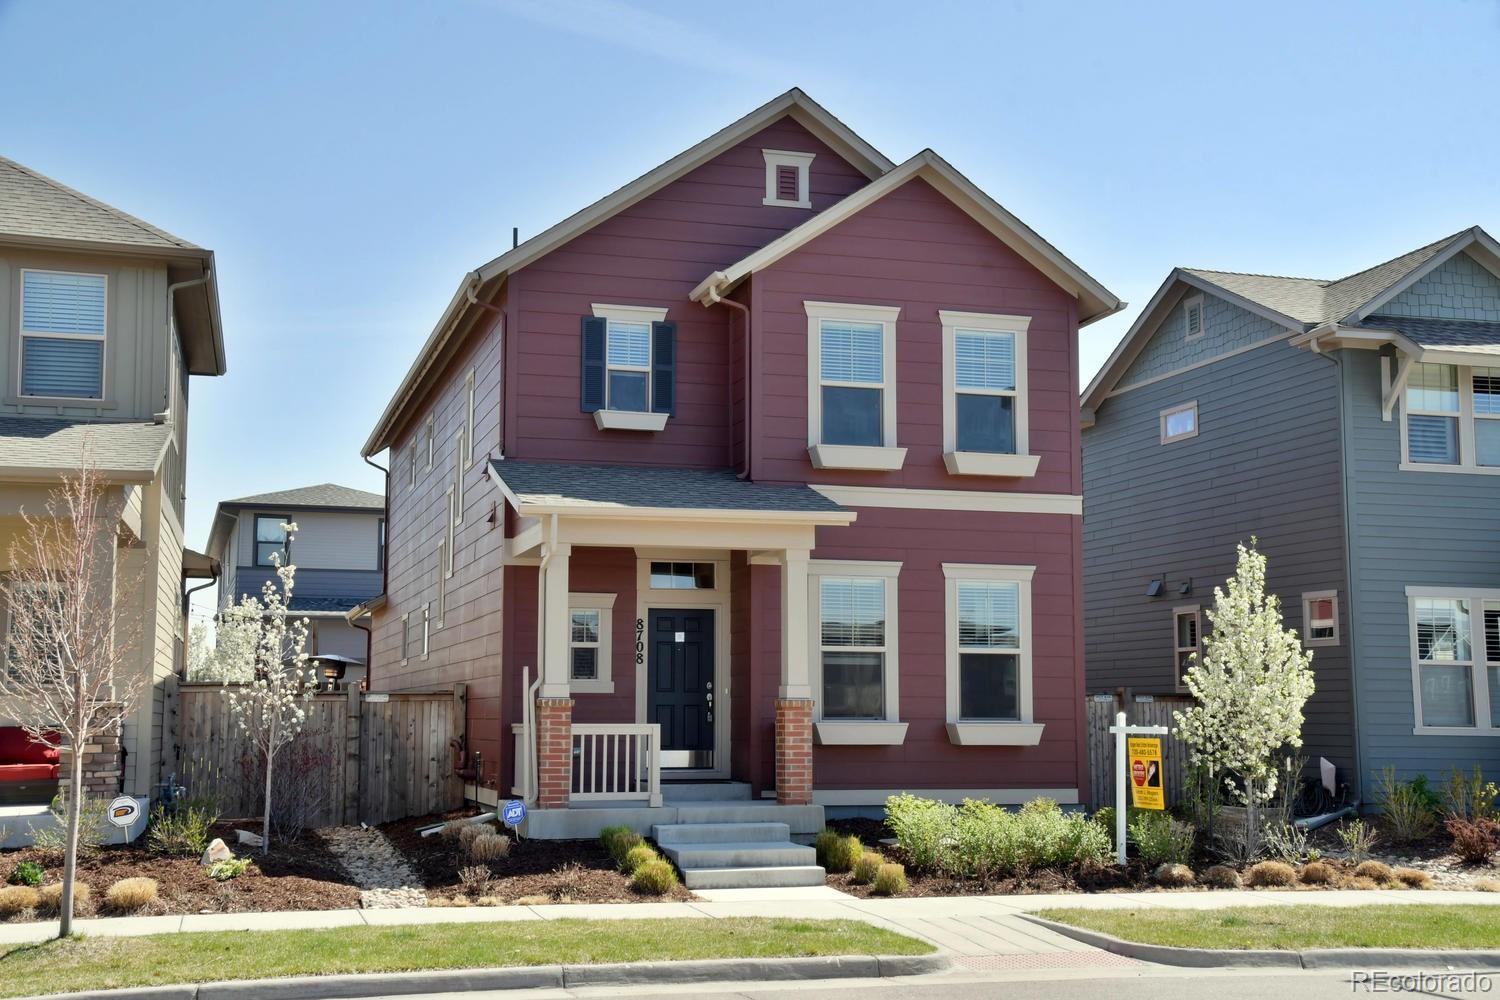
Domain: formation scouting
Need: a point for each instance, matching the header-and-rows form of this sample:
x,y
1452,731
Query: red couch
x,y
28,770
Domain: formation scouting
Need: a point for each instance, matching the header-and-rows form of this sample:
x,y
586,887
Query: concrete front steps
x,y
738,855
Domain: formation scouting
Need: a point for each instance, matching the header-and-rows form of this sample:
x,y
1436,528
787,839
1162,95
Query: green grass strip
x,y
1295,928
98,963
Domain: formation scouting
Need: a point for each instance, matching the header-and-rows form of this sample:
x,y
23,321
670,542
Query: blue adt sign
x,y
513,813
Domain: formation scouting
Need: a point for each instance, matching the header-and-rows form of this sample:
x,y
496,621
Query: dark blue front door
x,y
680,684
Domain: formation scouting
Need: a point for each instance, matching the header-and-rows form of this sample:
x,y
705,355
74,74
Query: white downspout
x,y
166,389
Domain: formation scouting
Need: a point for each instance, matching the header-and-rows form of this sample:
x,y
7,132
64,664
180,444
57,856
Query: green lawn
x,y
105,963
1294,928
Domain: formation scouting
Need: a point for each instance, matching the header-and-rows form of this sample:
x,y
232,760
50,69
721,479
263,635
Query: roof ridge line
x,y
1259,274
1391,260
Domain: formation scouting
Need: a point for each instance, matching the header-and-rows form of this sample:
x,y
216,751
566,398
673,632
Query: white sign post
x,y
1122,805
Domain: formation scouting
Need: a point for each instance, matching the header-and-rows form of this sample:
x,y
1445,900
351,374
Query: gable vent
x,y
786,183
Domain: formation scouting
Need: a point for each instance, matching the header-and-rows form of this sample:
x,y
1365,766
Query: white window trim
x,y
1466,417
1022,464
24,333
1307,620
603,682
431,431
442,584
1196,610
887,456
411,474
1025,732
787,158
1478,659
856,732
450,534
426,629
468,459
1171,411
458,476
629,420
1188,305
405,620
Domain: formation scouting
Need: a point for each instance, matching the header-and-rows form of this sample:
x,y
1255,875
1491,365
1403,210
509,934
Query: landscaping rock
x,y
248,839
217,851
373,863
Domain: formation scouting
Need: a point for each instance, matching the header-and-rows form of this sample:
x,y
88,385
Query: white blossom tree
x,y
1249,688
270,707
228,654
70,635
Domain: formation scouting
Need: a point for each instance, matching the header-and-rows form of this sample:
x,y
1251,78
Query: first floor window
x,y
1320,618
1179,422
682,576
270,539
589,617
1186,626
989,650
1445,662
852,646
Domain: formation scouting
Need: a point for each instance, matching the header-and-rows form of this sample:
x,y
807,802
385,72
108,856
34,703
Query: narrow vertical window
x,y
442,584
583,644
1432,409
62,334
452,522
1188,641
984,383
458,476
468,450
1486,385
380,545
411,467
431,443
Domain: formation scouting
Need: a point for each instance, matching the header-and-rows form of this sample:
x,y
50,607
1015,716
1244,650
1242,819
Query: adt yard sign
x,y
513,813
1146,791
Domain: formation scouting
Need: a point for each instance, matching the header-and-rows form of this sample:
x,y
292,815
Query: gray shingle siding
x,y
1265,463
1407,529
1459,288
1226,328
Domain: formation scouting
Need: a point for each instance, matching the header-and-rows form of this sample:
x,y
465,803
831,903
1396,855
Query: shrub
x,y
1488,885
890,880
1409,808
53,839
1412,878
654,878
1271,874
866,868
1172,876
1317,873
1377,871
1160,839
1361,882
1105,817
50,896
836,852
475,879
1474,840
1285,842
921,827
472,832
453,829
1041,806
640,854
1469,796
181,829
618,840
18,899
1358,838
224,871
131,894
489,848
1221,877
27,873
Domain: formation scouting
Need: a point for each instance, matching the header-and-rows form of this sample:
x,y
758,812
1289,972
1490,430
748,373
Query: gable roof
x,y
322,495
1298,304
794,103
37,211
1095,301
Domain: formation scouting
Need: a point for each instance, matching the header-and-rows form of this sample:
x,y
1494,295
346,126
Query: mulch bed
x,y
299,876
554,871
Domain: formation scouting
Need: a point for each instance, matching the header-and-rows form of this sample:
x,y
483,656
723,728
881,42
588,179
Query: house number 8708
x,y
640,641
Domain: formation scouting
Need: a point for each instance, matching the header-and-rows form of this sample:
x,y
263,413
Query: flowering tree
x,y
1248,687
270,707
228,654
68,638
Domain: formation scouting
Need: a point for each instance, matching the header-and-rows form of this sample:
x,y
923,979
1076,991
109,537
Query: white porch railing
x,y
616,762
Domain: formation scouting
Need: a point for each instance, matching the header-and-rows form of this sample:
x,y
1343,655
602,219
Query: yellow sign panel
x,y
1146,784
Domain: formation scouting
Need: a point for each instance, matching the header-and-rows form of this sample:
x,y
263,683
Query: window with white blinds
x,y
853,395
989,644
63,321
984,383
852,644
1432,412
1187,630
1456,672
627,354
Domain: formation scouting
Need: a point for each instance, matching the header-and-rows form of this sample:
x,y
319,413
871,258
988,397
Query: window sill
x,y
1454,731
1473,470
629,420
975,463
859,734
995,734
854,456
592,687
76,402
778,203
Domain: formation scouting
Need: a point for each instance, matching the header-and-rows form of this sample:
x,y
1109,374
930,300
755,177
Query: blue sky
x,y
348,162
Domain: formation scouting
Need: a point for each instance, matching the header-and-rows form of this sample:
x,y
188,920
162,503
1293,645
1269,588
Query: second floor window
x,y
270,539
628,358
851,382
62,334
984,384
629,367
1186,626
1452,416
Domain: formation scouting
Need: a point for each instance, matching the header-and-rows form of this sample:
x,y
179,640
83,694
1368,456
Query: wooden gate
x,y
1158,712
371,757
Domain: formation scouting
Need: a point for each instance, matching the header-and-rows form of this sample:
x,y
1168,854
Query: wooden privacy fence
x,y
366,758
1101,711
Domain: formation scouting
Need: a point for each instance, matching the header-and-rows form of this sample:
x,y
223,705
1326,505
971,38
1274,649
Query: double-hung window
x,y
854,651
852,386
629,359
1485,383
589,631
270,539
63,334
984,395
1432,414
1320,618
1187,641
1455,660
989,655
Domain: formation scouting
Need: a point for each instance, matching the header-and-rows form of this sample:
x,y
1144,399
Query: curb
x,y
537,977
1313,958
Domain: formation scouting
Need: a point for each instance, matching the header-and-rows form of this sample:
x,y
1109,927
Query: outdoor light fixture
x,y
1155,587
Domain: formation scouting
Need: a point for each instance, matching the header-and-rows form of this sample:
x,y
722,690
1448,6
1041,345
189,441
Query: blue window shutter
x,y
53,366
664,368
591,392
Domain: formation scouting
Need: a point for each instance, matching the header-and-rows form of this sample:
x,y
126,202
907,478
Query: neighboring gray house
x,y
339,552
1354,427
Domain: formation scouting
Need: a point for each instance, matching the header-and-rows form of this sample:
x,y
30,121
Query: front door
x,y
680,685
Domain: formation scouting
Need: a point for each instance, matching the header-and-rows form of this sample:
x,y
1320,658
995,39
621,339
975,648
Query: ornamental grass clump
x,y
1271,875
1173,876
654,878
1406,807
15,899
837,852
131,894
1317,873
1412,878
890,880
618,840
50,896
1377,871
490,848
866,868
1220,877
637,857
472,832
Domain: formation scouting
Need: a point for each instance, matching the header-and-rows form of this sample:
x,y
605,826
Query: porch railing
x,y
616,762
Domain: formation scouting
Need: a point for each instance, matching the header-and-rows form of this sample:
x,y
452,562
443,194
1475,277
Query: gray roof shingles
x,y
54,443
594,486
322,495
35,206
1471,335
326,605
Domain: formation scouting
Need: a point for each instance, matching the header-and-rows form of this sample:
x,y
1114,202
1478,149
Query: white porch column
x,y
554,623
796,682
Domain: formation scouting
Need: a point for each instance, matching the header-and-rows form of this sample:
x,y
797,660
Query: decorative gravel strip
x,y
369,858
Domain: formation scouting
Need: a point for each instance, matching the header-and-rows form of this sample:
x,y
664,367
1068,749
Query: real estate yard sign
x,y
1146,788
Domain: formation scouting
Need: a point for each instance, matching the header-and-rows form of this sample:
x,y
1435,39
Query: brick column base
x,y
794,764
103,762
554,752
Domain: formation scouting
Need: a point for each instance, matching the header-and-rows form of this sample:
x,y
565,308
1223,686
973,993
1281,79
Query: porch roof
x,y
535,488
41,448
1443,334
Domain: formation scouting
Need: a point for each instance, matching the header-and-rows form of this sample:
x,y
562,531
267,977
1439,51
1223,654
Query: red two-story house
x,y
756,482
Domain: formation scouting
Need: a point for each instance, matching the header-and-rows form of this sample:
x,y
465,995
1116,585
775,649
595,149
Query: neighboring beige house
x,y
102,318
339,552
